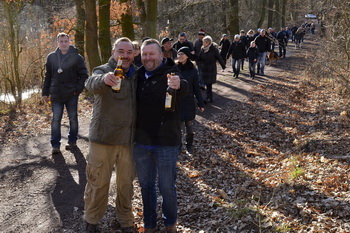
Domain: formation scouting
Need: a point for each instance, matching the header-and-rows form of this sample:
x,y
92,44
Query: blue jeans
x,y
149,162
236,65
261,62
72,110
252,69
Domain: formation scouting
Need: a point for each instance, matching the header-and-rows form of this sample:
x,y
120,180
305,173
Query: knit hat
x,y
201,32
186,50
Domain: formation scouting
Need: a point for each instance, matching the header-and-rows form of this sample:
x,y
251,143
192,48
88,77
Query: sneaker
x,y
91,228
71,146
128,229
56,150
171,229
150,230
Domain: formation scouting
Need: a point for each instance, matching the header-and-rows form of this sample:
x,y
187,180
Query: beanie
x,y
186,50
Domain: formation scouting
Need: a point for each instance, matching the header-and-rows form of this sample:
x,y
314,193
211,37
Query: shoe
x,y
56,150
91,228
202,87
189,149
71,146
128,229
171,229
150,230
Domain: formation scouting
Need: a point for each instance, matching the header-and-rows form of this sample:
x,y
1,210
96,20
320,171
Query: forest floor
x,y
270,155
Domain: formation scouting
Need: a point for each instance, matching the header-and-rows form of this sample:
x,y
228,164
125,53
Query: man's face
x,y
167,46
262,33
126,51
151,56
63,44
200,36
182,39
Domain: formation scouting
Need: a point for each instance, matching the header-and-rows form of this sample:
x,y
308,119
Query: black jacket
x,y
225,45
208,64
263,43
188,105
154,125
252,53
70,82
237,50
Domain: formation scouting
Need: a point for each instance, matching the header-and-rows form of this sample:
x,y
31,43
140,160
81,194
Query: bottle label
x,y
168,98
117,86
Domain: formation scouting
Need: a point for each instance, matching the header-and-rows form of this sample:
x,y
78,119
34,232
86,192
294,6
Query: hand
x,y
110,79
46,98
201,109
173,81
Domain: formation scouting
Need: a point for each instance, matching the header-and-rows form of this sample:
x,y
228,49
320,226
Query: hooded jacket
x,y
114,113
155,126
65,75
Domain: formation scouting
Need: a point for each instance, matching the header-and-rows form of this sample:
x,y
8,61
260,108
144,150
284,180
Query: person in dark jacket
x,y
64,81
182,42
158,135
188,105
282,37
208,56
137,54
168,51
224,45
238,52
263,44
197,48
244,40
252,54
111,137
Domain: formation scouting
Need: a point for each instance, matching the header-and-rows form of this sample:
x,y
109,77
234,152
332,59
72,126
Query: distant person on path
x,y
208,56
263,44
224,45
250,36
182,42
197,49
238,52
111,137
188,104
168,51
282,37
244,40
64,81
299,35
313,27
137,54
252,54
158,135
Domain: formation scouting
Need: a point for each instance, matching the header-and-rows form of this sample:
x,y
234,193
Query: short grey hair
x,y
152,41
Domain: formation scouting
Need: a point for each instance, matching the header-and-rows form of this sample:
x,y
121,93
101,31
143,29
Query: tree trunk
x,y
142,11
104,36
224,22
126,20
277,18
80,27
92,50
233,26
270,13
151,18
262,14
283,13
16,86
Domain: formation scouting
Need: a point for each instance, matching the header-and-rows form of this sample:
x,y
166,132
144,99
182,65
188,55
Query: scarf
x,y
206,49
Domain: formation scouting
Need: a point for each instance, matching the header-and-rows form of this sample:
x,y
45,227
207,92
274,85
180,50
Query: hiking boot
x,y
171,229
128,229
71,146
91,228
55,150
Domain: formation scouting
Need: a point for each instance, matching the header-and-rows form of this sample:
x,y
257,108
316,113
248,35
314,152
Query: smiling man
x,y
158,135
111,136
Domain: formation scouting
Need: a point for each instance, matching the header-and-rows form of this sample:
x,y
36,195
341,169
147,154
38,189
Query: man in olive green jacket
x,y
111,136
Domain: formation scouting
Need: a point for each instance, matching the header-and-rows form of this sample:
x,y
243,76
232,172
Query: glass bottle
x,y
170,98
119,73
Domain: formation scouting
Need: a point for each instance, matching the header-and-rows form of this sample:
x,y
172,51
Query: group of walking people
x,y
131,130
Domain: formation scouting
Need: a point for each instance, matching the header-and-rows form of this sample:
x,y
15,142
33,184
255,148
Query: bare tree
x,y
80,26
104,35
151,18
91,34
127,20
262,14
233,26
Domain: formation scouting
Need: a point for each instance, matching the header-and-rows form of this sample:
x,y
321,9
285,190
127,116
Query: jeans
x,y
236,65
72,110
252,69
150,162
261,62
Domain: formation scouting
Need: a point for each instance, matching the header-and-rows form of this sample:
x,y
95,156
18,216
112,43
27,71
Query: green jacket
x,y
114,114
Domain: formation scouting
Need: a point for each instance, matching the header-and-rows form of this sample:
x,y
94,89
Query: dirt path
x,y
44,193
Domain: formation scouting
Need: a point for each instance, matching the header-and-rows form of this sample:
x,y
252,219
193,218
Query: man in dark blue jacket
x,y
64,81
158,135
